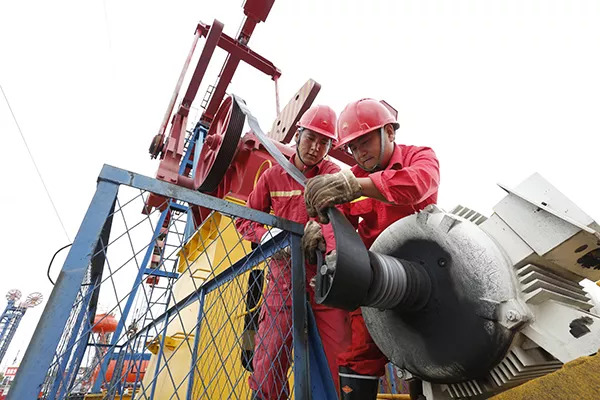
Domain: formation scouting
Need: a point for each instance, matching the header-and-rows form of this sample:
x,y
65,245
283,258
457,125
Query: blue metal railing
x,y
69,314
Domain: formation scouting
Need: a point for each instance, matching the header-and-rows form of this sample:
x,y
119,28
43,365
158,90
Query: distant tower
x,y
11,317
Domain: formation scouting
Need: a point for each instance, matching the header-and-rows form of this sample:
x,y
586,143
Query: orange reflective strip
x,y
288,193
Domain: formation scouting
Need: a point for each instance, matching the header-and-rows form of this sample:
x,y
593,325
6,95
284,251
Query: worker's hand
x,y
331,258
313,282
281,254
326,191
312,241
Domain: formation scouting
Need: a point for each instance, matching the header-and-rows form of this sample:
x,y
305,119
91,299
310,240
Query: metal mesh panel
x,y
159,315
246,317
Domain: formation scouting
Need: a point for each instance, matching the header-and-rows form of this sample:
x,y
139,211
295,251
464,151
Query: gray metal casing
x,y
527,259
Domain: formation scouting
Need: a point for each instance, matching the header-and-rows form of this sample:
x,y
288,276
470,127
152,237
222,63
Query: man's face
x,y
313,147
366,148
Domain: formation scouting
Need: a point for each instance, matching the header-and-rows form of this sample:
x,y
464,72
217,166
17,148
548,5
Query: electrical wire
x,y
34,164
52,260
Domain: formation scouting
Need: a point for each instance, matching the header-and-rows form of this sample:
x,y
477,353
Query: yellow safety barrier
x,y
211,250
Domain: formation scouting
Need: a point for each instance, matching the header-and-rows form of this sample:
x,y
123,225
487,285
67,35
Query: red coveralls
x,y
277,191
409,182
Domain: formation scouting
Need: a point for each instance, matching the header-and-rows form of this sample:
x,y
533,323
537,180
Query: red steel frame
x,y
171,146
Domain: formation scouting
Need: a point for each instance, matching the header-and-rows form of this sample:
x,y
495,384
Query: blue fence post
x,y
88,306
321,381
38,357
125,313
136,344
196,342
60,377
158,356
301,362
192,161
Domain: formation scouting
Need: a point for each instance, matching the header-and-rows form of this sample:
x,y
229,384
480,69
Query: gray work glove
x,y
312,241
268,235
326,191
331,258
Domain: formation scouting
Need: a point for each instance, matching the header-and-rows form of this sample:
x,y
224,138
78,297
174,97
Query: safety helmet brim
x,y
355,135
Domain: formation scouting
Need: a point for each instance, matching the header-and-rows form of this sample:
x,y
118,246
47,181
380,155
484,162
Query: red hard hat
x,y
320,119
361,117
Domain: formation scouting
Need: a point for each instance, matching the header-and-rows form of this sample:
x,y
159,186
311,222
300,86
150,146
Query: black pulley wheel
x,y
219,146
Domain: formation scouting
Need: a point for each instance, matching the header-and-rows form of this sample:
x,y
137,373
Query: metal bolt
x,y
513,316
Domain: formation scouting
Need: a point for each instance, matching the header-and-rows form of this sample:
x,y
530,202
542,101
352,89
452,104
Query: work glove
x,y
268,235
312,241
326,191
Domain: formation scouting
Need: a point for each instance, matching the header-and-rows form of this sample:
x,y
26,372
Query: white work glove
x,y
268,235
325,191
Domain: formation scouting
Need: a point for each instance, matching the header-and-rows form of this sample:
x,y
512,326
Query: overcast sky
x,y
500,89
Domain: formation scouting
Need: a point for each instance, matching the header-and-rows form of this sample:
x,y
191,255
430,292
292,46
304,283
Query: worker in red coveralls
x,y
278,192
389,182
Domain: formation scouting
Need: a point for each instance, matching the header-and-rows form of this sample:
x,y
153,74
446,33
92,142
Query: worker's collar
x,y
396,158
395,162
316,169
